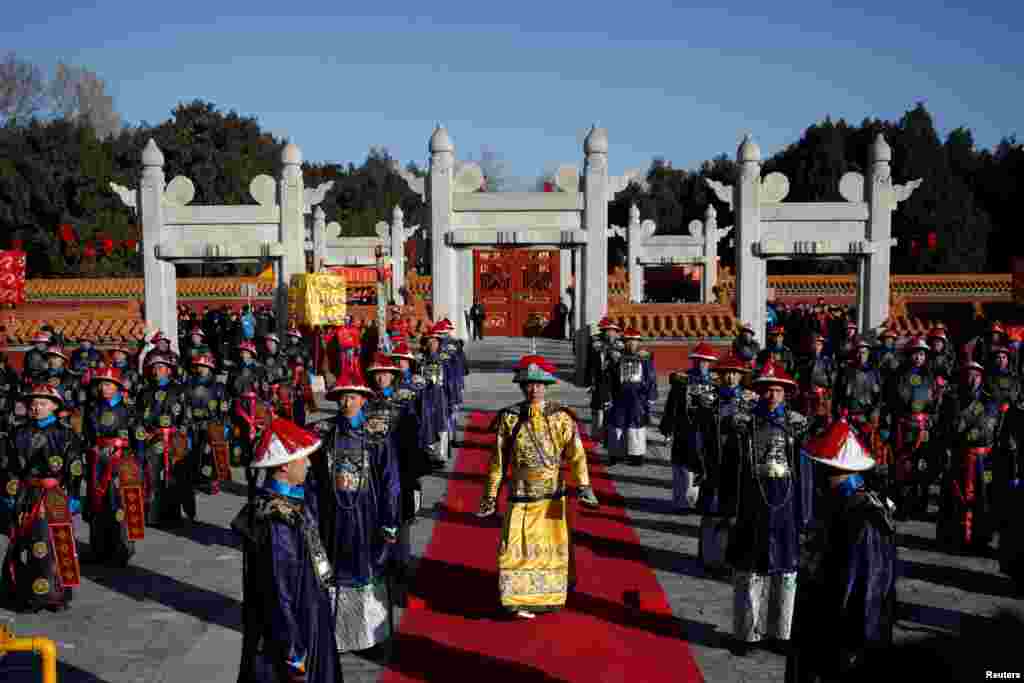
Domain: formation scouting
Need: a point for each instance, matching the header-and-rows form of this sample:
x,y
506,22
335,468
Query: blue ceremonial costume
x,y
682,422
845,606
437,403
634,391
287,610
354,485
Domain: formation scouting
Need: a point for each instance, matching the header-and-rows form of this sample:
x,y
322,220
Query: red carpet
x,y
617,625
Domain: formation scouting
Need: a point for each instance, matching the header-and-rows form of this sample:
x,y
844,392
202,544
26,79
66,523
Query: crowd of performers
x,y
800,462
125,439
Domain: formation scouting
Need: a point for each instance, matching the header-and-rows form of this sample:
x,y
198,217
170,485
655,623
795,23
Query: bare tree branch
x,y
22,90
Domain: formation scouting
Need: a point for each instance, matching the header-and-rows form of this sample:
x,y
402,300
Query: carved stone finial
x,y
126,194
440,142
596,142
291,155
263,189
880,149
180,191
774,187
634,214
851,186
397,215
318,214
469,178
311,196
748,151
151,155
710,213
722,191
382,229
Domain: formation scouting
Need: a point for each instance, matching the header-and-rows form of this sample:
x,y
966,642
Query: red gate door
x,y
538,291
493,287
517,287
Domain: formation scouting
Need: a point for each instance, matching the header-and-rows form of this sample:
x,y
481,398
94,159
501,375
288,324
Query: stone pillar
x,y
397,254
593,280
709,276
862,290
319,239
160,279
634,254
294,259
751,269
564,274
439,195
881,202
464,284
577,320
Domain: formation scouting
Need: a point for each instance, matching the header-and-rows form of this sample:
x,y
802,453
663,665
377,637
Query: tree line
x,y
61,144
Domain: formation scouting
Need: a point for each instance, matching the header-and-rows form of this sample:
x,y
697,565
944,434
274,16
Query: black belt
x,y
534,499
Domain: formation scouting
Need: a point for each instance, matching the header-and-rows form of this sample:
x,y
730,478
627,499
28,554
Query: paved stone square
x,y
173,615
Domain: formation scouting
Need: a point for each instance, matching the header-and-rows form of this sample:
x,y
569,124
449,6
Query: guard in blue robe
x,y
289,630
85,357
634,392
846,604
355,483
682,423
439,393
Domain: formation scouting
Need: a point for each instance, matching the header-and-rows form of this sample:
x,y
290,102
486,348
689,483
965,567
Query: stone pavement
x,y
173,615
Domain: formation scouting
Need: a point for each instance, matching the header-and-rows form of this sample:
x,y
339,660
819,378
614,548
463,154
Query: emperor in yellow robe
x,y
534,555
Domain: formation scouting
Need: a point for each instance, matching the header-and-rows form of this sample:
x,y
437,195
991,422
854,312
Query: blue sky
x,y
526,79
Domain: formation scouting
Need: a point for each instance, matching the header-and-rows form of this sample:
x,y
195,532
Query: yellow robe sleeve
x,y
497,465
574,455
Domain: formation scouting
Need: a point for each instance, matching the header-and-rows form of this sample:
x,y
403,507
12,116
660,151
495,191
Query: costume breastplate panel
x,y
631,370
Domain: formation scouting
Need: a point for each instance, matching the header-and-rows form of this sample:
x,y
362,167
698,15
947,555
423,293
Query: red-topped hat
x,y
861,343
776,329
999,348
108,374
746,327
773,374
433,332
382,363
974,365
402,350
917,344
997,328
46,391
839,448
535,368
160,359
938,332
632,333
206,360
41,338
196,329
732,363
120,346
294,332
608,324
157,337
889,332
55,350
851,324
247,346
350,381
703,351
282,442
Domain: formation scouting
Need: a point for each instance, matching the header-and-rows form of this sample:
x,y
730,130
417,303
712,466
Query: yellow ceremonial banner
x,y
317,299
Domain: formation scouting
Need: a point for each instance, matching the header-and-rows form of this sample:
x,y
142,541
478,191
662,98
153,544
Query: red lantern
x,y
89,251
933,241
67,233
129,245
915,248
108,247
549,187
17,245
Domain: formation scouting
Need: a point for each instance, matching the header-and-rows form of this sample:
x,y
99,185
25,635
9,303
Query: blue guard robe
x,y
355,485
634,391
287,609
845,606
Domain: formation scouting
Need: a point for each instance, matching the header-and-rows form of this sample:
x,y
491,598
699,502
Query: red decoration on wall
x,y
12,277
67,233
108,247
549,187
129,245
17,245
933,241
915,248
89,251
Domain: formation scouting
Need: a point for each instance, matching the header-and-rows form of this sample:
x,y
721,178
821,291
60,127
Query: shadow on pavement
x,y
25,666
144,585
957,577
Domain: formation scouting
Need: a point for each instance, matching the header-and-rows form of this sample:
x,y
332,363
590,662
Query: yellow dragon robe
x,y
534,554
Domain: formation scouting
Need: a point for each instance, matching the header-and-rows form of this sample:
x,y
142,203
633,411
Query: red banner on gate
x,y
12,277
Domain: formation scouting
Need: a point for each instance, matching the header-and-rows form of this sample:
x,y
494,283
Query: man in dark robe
x,y
845,606
286,611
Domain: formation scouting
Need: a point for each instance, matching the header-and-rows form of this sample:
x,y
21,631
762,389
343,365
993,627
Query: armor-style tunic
x,y
817,378
602,356
206,403
398,409
781,355
41,481
911,403
436,403
634,390
85,359
1004,386
108,430
161,438
966,514
888,362
859,393
35,367
244,376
